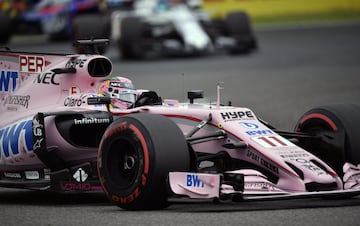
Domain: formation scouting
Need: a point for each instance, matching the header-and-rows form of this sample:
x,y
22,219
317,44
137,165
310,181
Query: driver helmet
x,y
121,91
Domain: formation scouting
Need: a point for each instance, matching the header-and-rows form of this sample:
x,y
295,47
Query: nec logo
x,y
31,64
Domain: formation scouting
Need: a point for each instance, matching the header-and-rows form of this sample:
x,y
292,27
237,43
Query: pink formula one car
x,y
57,132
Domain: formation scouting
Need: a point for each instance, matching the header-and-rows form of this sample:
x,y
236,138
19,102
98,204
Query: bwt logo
x,y
15,138
194,181
31,64
8,79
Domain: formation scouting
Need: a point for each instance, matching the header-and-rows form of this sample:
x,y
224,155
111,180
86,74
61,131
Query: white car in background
x,y
156,27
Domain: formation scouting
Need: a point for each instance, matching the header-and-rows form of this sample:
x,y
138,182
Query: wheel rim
x,y
124,162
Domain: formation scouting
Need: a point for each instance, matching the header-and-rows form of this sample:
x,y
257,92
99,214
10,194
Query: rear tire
x,y
7,28
338,127
238,26
131,37
136,154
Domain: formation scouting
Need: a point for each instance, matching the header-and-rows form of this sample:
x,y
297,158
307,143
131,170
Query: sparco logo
x,y
84,121
73,102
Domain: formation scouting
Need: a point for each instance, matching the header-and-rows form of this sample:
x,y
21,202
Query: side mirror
x,y
195,94
98,100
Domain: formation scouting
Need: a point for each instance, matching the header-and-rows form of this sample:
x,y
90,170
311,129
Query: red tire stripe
x,y
144,145
322,117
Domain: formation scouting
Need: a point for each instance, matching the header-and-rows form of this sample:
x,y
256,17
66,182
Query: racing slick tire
x,y
338,127
131,36
90,26
238,26
7,27
136,154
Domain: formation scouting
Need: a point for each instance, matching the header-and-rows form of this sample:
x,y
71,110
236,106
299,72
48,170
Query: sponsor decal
x,y
121,84
272,141
256,157
292,156
74,102
259,186
74,90
32,175
73,63
38,133
18,100
254,126
12,175
80,175
31,64
249,125
76,187
259,132
127,199
193,180
8,80
237,115
46,78
16,137
85,121
310,166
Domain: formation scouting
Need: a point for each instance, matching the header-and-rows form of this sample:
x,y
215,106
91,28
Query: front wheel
x,y
136,154
337,128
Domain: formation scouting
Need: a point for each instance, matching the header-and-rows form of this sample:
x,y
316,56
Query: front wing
x,y
234,185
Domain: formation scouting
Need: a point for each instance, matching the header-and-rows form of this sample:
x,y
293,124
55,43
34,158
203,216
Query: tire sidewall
x,y
117,131
343,121
160,148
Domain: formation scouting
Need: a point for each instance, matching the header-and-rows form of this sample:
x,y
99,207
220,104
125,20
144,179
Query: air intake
x,y
99,67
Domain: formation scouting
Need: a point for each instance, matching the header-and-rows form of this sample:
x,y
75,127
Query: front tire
x,y
136,154
338,129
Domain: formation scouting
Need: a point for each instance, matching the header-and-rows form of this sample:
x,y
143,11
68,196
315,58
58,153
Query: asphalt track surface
x,y
295,69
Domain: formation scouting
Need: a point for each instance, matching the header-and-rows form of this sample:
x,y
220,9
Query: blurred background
x,y
70,19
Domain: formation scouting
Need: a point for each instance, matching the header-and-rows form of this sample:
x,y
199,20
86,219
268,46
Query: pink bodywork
x,y
42,90
30,86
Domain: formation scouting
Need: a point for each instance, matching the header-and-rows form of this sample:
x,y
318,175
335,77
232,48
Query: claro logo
x,y
74,102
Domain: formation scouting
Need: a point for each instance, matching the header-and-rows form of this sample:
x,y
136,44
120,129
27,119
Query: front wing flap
x,y
218,186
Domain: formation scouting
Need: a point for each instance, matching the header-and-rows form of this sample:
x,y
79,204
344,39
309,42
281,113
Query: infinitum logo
x,y
85,121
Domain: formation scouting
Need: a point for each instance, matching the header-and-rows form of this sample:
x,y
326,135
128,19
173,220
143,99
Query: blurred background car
x,y
169,27
138,28
51,17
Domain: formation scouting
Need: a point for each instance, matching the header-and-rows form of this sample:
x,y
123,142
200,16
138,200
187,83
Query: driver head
x,y
121,91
